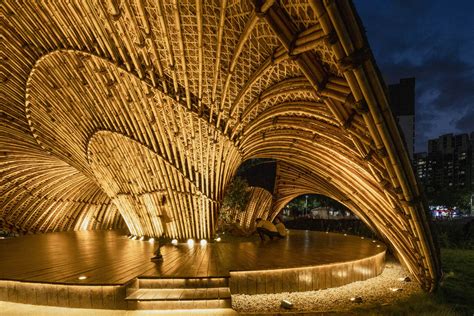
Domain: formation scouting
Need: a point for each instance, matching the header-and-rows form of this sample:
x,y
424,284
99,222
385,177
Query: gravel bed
x,y
374,291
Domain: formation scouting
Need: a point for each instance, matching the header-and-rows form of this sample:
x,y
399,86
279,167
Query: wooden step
x,y
178,283
224,304
179,294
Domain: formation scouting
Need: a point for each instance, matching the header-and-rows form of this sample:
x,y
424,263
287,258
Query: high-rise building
x,y
402,103
448,164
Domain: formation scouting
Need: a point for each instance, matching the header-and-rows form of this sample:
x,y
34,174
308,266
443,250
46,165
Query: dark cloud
x,y
434,42
467,121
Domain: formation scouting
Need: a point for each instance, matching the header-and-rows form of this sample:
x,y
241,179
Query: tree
x,y
450,198
235,200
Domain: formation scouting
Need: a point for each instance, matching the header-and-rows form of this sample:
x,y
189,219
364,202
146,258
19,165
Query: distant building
x,y
449,163
402,103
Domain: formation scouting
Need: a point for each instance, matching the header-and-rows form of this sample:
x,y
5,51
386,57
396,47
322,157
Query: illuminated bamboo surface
x,y
259,206
292,181
148,108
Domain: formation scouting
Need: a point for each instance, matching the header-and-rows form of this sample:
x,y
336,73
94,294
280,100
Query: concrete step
x,y
179,283
179,294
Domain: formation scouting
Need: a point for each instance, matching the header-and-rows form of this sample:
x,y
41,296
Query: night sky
x,y
432,41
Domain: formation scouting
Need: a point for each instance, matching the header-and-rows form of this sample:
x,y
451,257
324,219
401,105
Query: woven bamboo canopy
x,y
144,109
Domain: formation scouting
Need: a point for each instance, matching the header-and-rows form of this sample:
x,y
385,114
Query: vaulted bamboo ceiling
x,y
146,109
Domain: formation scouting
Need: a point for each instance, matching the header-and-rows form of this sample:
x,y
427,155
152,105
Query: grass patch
x,y
455,295
457,288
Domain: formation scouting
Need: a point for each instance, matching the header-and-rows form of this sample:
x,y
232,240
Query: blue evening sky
x,y
432,41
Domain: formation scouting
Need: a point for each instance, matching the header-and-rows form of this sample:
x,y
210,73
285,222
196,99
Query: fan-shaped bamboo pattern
x,y
126,102
258,206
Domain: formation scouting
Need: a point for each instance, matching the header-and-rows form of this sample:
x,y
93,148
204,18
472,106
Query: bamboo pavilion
x,y
138,113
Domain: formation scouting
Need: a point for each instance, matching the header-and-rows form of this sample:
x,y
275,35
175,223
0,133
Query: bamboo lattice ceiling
x,y
146,109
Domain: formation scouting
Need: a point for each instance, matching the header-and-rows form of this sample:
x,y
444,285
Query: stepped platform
x,y
105,269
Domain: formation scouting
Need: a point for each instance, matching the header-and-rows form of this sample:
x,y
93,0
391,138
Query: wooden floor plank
x,y
108,257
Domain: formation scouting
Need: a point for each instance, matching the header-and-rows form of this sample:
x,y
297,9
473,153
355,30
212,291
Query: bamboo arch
x,y
196,87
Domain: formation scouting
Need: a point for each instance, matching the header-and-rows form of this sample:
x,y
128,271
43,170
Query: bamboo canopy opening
x,y
139,112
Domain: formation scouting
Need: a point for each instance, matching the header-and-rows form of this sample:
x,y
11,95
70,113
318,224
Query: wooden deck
x,y
110,258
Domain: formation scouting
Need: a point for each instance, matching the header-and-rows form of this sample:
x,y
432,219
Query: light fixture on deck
x,y
374,240
218,239
134,237
82,277
362,238
345,234
396,289
151,240
378,246
142,238
190,242
356,299
286,304
405,279
203,242
174,242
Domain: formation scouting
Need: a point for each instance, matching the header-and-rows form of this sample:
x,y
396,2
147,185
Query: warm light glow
x,y
378,246
374,240
218,239
82,277
203,242
395,289
190,242
345,234
362,238
174,242
340,274
142,238
151,240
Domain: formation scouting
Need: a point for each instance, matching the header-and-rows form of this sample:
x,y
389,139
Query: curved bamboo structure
x,y
293,181
148,108
258,206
